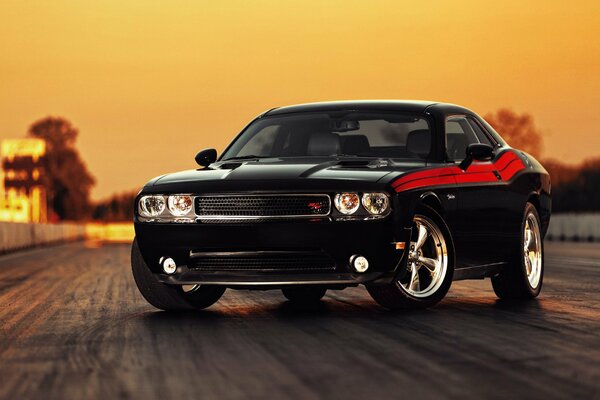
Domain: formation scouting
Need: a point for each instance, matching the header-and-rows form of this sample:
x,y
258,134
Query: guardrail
x,y
583,227
17,236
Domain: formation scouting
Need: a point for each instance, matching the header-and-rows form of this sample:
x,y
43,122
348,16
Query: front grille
x,y
288,262
231,207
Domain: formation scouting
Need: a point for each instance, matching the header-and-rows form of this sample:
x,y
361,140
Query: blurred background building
x,y
22,194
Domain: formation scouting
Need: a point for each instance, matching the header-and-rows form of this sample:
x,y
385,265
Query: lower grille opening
x,y
287,262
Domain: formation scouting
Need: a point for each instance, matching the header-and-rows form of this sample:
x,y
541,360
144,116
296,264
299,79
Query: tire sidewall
x,y
530,209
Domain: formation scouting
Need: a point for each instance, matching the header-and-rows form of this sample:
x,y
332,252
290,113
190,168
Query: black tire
x,y
169,297
512,282
393,296
304,294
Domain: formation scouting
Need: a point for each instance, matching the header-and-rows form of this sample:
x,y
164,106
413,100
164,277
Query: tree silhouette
x,y
575,188
116,208
66,177
517,129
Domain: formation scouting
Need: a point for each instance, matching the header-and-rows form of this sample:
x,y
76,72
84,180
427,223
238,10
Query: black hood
x,y
287,175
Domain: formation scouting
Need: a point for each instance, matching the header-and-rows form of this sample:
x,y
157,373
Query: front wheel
x,y
170,297
522,278
430,266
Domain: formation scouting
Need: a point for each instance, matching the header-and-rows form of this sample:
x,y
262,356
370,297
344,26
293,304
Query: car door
x,y
478,241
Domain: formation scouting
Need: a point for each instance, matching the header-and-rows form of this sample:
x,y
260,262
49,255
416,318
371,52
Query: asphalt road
x,y
73,326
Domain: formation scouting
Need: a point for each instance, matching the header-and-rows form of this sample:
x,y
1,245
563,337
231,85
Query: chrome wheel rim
x,y
532,250
427,260
189,288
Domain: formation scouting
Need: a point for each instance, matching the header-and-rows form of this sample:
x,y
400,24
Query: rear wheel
x,y
522,278
170,297
304,294
430,266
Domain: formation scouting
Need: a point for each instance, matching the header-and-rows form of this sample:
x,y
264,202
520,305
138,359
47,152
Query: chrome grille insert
x,y
242,207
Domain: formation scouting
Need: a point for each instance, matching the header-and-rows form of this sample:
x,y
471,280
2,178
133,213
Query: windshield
x,y
326,134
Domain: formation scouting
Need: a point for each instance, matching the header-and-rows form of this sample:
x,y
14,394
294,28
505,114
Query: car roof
x,y
373,105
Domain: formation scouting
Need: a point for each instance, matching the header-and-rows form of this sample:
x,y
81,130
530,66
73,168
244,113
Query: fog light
x,y
169,266
359,263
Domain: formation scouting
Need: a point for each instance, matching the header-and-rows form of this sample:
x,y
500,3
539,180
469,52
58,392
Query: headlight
x,y
180,205
347,203
375,203
152,206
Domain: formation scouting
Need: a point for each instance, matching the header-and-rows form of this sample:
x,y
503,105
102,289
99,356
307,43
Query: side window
x,y
461,131
483,138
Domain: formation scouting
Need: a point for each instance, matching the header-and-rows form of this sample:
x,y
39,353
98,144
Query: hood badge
x,y
450,196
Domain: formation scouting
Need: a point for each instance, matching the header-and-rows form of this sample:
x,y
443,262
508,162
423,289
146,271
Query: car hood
x,y
276,175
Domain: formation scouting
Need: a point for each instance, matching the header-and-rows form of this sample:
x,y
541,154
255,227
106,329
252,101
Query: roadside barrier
x,y
577,227
17,236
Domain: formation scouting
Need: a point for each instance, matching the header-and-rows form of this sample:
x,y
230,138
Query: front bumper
x,y
257,280
375,240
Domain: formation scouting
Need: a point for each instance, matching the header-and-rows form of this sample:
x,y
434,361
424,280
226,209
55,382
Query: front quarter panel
x,y
482,206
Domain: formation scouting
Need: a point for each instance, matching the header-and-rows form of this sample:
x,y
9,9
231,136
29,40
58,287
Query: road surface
x,y
73,326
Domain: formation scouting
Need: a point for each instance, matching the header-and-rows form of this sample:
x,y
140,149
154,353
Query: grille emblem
x,y
315,207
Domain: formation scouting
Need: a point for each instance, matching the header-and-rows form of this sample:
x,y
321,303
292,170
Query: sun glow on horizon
x,y
150,83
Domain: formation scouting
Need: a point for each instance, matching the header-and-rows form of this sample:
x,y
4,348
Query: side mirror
x,y
206,157
477,152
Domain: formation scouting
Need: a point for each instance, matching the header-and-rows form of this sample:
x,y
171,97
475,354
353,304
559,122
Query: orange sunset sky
x,y
148,83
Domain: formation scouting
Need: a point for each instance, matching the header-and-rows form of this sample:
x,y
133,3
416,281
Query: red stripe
x,y
512,169
476,177
505,159
431,181
507,165
428,173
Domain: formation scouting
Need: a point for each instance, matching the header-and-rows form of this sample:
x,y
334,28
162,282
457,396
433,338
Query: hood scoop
x,y
362,163
230,165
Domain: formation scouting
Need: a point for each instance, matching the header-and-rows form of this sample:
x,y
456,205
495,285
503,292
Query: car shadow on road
x,y
334,310
333,326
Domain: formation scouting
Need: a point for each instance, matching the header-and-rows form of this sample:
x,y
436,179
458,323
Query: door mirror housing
x,y
206,157
477,152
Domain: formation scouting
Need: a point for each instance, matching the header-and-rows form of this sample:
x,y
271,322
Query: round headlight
x,y
375,203
152,206
347,203
180,205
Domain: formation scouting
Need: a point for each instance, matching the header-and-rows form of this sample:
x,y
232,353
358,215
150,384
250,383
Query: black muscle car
x,y
401,196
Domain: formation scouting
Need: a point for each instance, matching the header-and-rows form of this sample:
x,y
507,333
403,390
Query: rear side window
x,y
481,135
462,131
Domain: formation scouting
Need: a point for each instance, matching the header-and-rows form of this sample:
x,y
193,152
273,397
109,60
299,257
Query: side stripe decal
x,y
507,166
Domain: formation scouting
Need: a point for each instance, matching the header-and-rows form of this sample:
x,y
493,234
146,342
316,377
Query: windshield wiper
x,y
248,157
